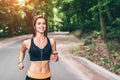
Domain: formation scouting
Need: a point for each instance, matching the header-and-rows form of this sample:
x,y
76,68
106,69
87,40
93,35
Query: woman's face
x,y
40,25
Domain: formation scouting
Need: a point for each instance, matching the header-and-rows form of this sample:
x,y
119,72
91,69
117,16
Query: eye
x,y
44,23
39,23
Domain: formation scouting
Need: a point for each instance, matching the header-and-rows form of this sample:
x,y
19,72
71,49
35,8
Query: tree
x,y
102,23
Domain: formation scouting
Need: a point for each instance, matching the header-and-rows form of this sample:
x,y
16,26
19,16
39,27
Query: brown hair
x,y
35,18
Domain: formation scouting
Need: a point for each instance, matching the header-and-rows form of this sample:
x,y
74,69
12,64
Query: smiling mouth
x,y
41,29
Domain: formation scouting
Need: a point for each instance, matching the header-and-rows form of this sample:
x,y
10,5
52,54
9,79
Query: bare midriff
x,y
39,69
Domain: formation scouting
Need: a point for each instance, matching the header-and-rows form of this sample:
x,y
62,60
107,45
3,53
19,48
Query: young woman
x,y
41,50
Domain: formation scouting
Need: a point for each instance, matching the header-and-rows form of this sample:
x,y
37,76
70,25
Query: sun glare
x,y
22,2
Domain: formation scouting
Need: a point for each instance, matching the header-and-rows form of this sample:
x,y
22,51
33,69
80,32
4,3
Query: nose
x,y
41,25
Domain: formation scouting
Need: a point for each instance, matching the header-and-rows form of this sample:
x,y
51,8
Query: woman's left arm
x,y
54,55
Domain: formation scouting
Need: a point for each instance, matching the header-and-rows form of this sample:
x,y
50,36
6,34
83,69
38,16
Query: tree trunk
x,y
68,24
109,16
53,26
102,23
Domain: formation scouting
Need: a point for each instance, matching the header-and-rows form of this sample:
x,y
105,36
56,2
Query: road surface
x,y
61,70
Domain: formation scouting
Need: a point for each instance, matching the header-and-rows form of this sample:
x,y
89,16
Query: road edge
x,y
96,68
12,40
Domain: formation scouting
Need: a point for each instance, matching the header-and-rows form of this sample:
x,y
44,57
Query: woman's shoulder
x,y
52,41
27,41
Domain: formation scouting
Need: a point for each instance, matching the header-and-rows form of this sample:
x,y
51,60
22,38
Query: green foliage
x,y
106,60
113,46
69,15
116,67
113,30
96,34
116,21
88,40
1,33
17,17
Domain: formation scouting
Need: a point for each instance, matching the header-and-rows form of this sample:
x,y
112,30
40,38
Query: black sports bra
x,y
38,54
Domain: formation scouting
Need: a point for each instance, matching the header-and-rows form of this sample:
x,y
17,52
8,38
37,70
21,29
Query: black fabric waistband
x,y
29,78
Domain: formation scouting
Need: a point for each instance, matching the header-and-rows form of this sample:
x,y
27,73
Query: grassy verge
x,y
103,53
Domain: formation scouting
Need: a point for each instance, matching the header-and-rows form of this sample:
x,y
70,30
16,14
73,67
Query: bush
x,y
88,40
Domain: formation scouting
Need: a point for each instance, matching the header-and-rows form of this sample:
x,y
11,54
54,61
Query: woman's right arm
x,y
22,55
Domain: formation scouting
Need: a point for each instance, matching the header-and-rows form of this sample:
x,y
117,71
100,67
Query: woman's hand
x,y
20,65
54,57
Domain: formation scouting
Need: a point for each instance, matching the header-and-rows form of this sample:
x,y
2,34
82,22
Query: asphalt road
x,y
61,70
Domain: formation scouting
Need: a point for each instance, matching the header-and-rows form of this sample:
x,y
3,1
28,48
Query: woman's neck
x,y
40,36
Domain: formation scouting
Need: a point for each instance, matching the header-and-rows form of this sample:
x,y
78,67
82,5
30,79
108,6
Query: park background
x,y
95,22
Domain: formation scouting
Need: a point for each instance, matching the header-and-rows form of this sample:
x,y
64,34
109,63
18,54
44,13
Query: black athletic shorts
x,y
29,78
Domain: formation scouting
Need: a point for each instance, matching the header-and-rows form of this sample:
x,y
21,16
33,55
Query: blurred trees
x,y
16,15
98,15
63,15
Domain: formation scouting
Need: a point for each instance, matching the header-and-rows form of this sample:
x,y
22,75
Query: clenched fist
x,y
21,66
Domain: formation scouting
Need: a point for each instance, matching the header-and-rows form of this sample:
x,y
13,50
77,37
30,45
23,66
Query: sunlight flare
x,y
22,2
